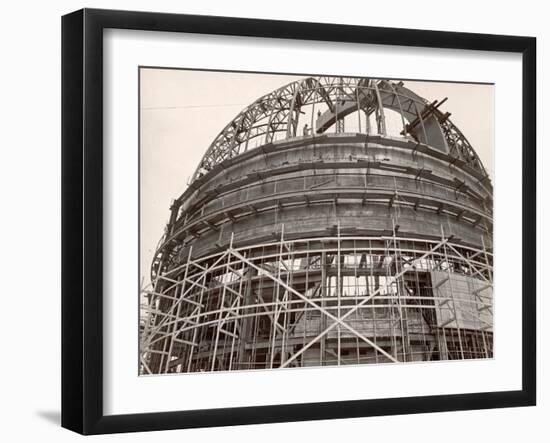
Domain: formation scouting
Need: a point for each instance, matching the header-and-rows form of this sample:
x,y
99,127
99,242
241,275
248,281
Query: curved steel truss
x,y
323,103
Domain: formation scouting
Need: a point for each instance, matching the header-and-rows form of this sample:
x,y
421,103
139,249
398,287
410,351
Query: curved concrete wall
x,y
365,184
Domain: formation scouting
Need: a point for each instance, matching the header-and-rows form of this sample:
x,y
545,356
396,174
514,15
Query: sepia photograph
x,y
292,221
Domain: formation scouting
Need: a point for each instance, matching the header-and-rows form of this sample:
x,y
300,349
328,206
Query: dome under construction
x,y
333,221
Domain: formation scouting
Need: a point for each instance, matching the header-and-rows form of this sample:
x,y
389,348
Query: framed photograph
x,y
271,221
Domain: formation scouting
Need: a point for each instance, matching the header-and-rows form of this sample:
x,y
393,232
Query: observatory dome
x,y
333,221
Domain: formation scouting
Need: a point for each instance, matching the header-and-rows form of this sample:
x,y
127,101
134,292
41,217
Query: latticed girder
x,y
277,115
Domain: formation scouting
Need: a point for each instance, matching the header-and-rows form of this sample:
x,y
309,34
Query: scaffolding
x,y
321,301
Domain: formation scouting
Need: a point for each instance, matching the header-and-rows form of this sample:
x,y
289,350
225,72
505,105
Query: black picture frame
x,y
82,220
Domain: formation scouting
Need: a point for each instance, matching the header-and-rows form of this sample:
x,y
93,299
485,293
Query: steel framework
x,y
364,238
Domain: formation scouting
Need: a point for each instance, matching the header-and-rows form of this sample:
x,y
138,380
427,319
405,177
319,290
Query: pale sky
x,y
183,111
